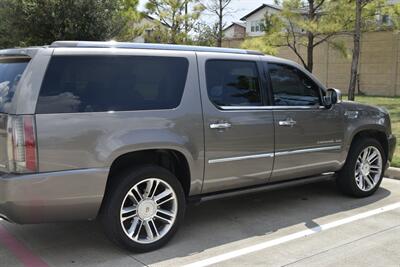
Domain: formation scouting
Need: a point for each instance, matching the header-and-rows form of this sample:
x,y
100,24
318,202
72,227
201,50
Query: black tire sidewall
x,y
110,215
346,180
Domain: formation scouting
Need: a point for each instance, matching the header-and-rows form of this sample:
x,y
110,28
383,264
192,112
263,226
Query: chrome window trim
x,y
257,156
308,150
270,107
271,155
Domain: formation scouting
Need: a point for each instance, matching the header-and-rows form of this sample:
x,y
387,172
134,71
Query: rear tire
x,y
363,171
143,211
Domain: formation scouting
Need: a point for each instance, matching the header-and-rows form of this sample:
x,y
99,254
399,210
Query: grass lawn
x,y
393,105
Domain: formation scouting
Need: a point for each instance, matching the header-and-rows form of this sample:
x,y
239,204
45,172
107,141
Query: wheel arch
x,y
375,133
171,159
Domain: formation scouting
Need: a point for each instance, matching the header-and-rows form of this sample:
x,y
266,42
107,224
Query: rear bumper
x,y
54,196
392,146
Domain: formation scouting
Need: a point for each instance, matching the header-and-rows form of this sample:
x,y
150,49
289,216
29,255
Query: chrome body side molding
x,y
257,156
281,153
307,150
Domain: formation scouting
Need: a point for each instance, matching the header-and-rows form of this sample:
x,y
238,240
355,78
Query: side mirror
x,y
333,96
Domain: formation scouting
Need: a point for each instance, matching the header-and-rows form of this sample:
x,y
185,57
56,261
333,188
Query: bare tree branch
x,y
293,47
220,8
319,5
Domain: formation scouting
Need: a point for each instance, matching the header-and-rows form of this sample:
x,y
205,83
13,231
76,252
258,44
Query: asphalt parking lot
x,y
310,225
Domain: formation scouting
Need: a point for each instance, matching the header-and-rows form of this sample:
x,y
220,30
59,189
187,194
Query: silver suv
x,y
130,133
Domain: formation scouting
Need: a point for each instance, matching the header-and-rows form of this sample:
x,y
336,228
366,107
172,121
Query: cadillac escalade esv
x,y
130,133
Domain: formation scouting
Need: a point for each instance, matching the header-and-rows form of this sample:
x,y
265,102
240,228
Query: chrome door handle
x,y
220,125
288,122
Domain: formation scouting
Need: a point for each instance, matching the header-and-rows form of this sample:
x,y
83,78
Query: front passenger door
x,y
308,136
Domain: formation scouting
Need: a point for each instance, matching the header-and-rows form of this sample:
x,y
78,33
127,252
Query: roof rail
x,y
126,45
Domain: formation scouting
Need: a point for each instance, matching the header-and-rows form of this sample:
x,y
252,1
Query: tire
x,y
358,178
128,221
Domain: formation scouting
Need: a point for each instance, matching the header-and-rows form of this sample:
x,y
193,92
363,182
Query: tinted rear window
x,y
11,70
233,83
112,83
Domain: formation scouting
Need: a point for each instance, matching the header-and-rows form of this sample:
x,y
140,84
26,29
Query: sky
x,y
239,8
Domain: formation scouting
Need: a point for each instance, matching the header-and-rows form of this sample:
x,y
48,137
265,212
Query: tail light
x,y
21,139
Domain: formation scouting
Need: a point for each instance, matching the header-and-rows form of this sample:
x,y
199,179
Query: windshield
x,y
11,70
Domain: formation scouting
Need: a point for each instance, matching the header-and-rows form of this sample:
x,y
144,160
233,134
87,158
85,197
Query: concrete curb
x,y
393,173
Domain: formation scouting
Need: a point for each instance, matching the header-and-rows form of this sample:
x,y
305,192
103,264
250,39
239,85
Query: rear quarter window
x,y
112,83
11,70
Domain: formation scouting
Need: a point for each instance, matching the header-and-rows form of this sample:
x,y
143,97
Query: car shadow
x,y
220,222
210,224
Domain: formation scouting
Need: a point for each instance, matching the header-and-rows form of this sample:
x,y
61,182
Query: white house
x,y
385,19
256,18
236,30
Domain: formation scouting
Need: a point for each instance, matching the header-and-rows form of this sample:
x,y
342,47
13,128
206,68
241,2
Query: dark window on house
x,y
233,83
292,87
385,19
112,83
254,26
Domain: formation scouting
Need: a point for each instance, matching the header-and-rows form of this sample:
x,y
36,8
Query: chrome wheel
x,y
368,168
148,210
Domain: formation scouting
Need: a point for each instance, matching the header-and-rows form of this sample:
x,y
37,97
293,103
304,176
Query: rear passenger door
x,y
239,129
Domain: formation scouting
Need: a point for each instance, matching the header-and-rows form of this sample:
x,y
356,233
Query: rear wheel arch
x,y
172,160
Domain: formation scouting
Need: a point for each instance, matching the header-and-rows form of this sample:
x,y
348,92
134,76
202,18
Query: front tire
x,y
143,211
363,171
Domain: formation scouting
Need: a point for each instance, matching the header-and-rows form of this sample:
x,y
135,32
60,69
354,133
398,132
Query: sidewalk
x,y
393,173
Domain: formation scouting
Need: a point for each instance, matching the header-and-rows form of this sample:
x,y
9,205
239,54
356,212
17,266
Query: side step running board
x,y
262,188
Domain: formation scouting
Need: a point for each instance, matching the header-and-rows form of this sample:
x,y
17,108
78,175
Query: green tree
x,y
179,15
304,25
205,34
8,37
393,11
130,21
38,22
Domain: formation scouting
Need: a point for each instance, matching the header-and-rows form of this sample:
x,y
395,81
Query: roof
x,y
126,45
145,15
235,23
260,8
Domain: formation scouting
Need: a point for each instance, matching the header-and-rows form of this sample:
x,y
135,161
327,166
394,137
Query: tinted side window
x,y
233,83
11,70
291,87
112,83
